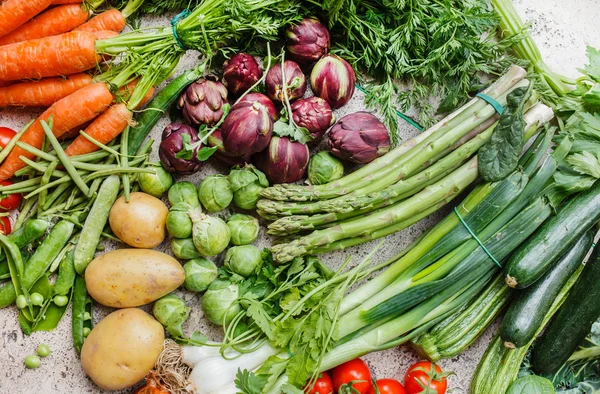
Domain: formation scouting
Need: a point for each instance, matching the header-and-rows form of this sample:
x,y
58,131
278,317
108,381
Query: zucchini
x,y
573,320
454,334
500,366
526,313
541,251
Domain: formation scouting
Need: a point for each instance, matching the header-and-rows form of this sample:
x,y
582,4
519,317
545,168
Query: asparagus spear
x,y
424,147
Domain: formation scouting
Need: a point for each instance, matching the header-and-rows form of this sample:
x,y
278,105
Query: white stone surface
x,y
561,28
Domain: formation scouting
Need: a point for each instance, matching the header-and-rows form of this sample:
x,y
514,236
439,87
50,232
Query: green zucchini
x,y
541,251
526,313
573,320
500,366
454,334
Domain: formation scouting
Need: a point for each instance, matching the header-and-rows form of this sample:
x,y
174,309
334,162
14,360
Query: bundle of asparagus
x,y
396,190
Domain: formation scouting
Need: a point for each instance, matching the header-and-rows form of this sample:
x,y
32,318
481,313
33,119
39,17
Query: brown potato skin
x,y
126,278
122,349
140,222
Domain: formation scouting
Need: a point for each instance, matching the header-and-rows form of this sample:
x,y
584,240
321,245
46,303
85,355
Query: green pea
x,y
61,300
37,299
21,302
32,361
43,350
86,331
87,316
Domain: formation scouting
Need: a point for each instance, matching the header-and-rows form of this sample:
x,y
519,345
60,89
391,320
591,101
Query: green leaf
x,y
593,68
289,389
187,149
290,299
205,153
248,382
258,314
283,128
531,384
585,163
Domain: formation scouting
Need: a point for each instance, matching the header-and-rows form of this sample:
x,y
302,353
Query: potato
x,y
122,349
125,278
140,222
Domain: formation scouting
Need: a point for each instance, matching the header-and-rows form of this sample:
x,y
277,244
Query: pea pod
x,y
31,230
158,106
95,222
40,261
16,287
28,319
82,303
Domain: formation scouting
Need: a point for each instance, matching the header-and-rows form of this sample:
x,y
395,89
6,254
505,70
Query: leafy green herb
x,y
249,383
531,384
499,157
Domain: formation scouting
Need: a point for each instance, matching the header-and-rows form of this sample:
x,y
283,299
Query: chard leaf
x,y
499,157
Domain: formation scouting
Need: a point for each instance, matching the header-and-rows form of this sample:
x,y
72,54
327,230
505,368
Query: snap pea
x,y
66,275
39,262
16,287
95,222
82,308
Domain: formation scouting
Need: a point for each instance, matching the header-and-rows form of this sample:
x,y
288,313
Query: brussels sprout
x,y
215,193
220,302
184,193
199,274
179,224
247,183
324,168
243,229
243,260
171,311
158,183
184,248
210,234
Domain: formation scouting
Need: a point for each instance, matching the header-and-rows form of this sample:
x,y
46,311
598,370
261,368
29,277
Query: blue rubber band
x,y
476,239
174,23
492,101
404,117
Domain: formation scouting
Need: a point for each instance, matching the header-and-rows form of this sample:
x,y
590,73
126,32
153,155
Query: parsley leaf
x,y
249,383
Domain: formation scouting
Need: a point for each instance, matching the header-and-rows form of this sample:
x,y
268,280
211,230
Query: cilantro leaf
x,y
248,382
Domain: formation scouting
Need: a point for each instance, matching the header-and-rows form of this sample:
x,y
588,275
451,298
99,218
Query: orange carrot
x,y
104,34
57,20
68,113
65,54
14,13
124,93
146,98
55,2
42,93
103,129
73,133
108,20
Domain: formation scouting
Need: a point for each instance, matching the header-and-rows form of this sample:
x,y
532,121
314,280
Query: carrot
x,y
42,93
103,129
73,133
14,13
104,34
67,113
65,54
146,98
108,20
124,93
57,20
55,2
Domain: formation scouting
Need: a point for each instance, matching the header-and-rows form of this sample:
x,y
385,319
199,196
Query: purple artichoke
x,y
307,41
295,81
359,137
264,100
248,127
172,143
333,79
202,102
285,161
240,72
314,114
215,139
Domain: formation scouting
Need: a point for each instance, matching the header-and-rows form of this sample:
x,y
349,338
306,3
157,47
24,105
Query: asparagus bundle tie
x,y
481,245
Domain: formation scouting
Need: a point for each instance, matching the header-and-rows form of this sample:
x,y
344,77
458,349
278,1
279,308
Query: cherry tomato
x,y
352,377
5,227
421,378
6,135
10,201
323,385
387,386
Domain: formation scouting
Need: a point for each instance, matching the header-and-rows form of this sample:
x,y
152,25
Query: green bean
x,y
95,222
55,195
45,180
23,214
82,307
101,145
38,152
18,185
125,163
39,262
41,167
74,193
11,144
116,171
65,159
91,156
61,207
82,165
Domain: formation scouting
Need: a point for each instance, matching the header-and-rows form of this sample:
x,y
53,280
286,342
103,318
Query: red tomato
x,y
5,227
387,386
323,385
11,201
422,379
6,135
352,377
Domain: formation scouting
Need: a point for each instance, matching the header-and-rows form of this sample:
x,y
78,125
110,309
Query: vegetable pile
x,y
516,156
